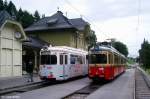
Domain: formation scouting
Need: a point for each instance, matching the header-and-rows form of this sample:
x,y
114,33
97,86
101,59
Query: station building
x,y
11,37
31,51
55,30
58,30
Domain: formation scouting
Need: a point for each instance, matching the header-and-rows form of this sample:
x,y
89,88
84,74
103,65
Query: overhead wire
x,y
138,16
83,16
91,21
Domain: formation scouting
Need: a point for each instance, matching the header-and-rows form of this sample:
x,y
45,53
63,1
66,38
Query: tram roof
x,y
106,48
64,49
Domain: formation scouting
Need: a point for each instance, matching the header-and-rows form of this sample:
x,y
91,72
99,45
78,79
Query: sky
x,y
127,21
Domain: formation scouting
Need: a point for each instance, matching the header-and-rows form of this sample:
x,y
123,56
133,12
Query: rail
x,y
142,90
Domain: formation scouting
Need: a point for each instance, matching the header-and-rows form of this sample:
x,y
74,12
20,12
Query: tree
x,y
1,5
91,39
144,53
36,16
122,48
24,17
5,4
19,15
27,19
11,9
43,15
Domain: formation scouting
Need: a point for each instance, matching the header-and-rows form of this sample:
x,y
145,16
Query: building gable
x,y
54,22
11,35
6,19
59,30
79,23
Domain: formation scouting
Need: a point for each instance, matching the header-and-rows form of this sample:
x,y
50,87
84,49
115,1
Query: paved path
x,y
16,81
56,91
120,88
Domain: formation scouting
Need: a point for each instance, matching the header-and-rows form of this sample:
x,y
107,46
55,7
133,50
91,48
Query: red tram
x,y
105,62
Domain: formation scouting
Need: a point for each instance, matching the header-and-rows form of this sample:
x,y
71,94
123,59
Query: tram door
x,y
64,62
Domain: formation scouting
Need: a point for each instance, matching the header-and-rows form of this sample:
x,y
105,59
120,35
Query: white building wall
x,y
10,53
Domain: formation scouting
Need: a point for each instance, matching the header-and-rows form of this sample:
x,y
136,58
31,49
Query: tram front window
x,y
48,59
98,59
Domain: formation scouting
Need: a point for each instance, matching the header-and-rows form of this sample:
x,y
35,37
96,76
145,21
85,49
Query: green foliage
x,y
36,16
122,48
148,71
144,53
24,17
131,61
91,39
5,4
19,15
1,5
11,9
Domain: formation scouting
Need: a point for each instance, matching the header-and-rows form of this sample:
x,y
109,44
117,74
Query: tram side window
x,y
48,59
83,59
79,60
66,59
110,58
116,59
61,59
72,59
53,59
119,60
122,61
98,58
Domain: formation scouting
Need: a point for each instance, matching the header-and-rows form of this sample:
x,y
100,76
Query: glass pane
x,y
98,58
48,59
66,59
61,59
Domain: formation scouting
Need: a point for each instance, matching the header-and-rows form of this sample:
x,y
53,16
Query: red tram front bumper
x,y
106,72
96,72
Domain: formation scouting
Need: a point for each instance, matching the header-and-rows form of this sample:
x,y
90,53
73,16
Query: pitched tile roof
x,y
79,23
35,42
57,21
4,15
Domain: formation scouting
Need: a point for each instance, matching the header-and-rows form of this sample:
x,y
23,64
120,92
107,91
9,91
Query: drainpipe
x,y
77,39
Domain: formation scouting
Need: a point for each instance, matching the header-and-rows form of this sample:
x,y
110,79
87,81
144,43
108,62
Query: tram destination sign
x,y
45,53
48,53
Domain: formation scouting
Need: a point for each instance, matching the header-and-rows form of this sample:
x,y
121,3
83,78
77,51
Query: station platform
x,y
12,82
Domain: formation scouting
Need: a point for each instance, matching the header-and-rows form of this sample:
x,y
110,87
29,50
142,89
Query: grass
x,y
148,71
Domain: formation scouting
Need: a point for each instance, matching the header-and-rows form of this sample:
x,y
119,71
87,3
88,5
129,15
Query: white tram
x,y
61,63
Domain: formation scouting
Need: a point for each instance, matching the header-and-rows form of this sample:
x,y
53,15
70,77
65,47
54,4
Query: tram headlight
x,y
50,75
101,69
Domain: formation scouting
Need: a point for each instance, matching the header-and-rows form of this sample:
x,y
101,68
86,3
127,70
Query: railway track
x,y
142,91
34,86
84,92
21,89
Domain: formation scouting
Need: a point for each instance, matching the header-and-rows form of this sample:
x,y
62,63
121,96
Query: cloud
x,y
124,29
113,18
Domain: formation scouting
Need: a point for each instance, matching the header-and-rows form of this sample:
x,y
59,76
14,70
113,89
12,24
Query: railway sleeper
x,y
141,87
83,93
